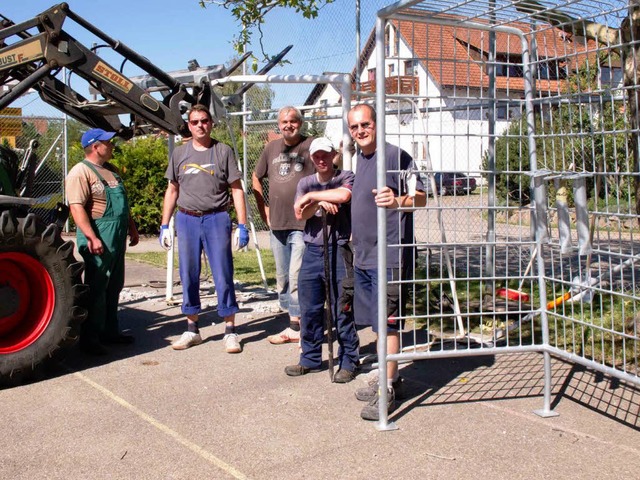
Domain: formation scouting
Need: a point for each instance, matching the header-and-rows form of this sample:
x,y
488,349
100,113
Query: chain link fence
x,y
39,140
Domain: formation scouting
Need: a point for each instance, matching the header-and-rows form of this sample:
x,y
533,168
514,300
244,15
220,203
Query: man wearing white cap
x,y
329,190
99,206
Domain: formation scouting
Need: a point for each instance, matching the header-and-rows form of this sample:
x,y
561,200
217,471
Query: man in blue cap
x,y
99,206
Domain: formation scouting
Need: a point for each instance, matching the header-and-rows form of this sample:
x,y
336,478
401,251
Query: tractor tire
x,y
42,297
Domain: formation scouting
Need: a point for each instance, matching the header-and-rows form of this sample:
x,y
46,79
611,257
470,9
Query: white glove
x,y
165,237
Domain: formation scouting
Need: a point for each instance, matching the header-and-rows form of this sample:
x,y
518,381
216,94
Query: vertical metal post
x,y
357,46
489,265
245,169
170,254
381,176
539,202
65,147
347,160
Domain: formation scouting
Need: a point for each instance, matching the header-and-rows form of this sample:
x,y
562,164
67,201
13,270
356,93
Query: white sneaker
x,y
231,343
188,339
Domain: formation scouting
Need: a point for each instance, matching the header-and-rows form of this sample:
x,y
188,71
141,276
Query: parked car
x,y
427,184
450,183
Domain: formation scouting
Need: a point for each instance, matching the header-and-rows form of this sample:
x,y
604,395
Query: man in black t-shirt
x,y
284,162
398,198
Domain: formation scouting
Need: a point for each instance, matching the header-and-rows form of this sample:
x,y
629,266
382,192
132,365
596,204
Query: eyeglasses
x,y
203,121
364,126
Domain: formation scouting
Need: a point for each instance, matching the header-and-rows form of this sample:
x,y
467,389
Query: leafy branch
x,y
251,14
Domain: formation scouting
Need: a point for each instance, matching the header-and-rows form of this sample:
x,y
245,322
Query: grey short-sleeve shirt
x,y
204,176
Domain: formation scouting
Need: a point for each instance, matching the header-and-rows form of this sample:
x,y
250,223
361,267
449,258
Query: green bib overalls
x,y
105,273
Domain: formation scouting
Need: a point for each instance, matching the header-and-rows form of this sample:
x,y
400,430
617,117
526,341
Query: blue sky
x,y
171,32
167,32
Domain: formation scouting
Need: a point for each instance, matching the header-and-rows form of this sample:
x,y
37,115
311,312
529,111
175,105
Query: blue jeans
x,y
213,234
288,248
312,304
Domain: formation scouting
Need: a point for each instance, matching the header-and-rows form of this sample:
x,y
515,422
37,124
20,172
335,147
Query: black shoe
x,y
370,411
119,339
298,370
94,348
370,392
345,376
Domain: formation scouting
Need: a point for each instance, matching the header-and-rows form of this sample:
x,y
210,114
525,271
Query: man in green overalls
x,y
99,206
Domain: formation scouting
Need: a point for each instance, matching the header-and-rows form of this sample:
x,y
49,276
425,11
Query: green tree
x,y
251,14
561,143
142,163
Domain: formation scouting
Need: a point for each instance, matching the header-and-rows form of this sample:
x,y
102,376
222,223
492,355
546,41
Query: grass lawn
x,y
246,267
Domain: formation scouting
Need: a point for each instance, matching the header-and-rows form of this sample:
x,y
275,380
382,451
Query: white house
x,y
438,86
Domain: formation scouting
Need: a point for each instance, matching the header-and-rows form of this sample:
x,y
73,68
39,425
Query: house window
x,y
411,68
323,107
610,77
392,70
415,151
502,113
390,43
371,74
509,66
551,70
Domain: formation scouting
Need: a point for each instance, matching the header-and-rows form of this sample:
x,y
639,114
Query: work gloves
x,y
165,237
241,237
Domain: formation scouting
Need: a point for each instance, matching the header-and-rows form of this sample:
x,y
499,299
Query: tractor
x,y
41,289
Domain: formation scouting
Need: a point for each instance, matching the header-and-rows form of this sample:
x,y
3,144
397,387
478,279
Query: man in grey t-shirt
x,y
200,174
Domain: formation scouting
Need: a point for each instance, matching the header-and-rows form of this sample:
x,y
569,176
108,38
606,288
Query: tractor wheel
x,y
41,295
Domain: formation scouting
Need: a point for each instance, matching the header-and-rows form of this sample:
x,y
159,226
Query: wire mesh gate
x,y
537,104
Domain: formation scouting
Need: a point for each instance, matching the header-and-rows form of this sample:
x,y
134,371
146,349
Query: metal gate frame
x,y
411,11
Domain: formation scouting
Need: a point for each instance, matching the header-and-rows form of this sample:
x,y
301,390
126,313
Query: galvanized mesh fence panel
x,y
39,142
541,113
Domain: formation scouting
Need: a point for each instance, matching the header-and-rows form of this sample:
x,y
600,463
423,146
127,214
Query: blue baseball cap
x,y
95,135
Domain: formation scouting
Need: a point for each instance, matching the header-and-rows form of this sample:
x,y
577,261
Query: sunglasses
x,y
203,121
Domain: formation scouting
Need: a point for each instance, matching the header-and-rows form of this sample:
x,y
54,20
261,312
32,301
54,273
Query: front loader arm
x,y
36,58
43,48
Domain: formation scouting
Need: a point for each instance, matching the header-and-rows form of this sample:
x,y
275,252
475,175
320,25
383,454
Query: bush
x,y
511,158
142,163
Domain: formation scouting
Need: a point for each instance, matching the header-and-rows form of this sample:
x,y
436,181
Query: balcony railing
x,y
403,85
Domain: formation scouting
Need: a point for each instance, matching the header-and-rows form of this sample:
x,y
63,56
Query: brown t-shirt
x,y
84,187
284,166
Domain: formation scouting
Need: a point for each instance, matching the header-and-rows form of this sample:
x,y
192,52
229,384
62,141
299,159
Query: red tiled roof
x,y
455,56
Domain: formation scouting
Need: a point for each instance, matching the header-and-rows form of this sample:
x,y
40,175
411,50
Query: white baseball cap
x,y
322,143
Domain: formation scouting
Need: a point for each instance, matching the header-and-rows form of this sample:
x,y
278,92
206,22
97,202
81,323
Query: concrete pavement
x,y
148,412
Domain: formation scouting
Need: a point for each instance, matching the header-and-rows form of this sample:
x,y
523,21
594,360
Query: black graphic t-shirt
x,y
284,166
